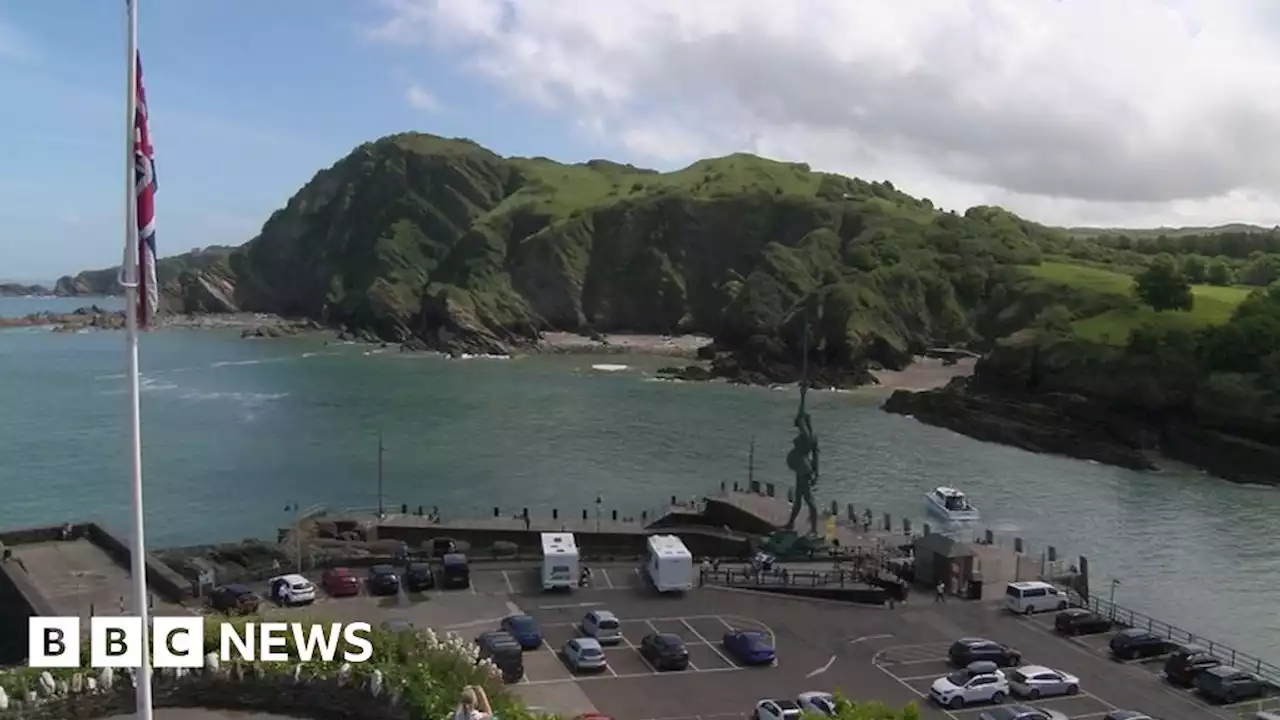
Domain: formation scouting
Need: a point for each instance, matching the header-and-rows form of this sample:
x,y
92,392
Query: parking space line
x,y
472,588
909,678
895,663
604,574
507,579
629,676
714,649
636,570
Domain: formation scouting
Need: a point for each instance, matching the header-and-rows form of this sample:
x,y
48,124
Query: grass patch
x,y
1213,306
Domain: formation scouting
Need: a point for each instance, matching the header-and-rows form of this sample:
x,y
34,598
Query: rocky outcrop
x,y
92,317
20,290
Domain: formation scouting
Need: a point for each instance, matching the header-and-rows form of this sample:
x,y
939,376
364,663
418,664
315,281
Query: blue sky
x,y
248,100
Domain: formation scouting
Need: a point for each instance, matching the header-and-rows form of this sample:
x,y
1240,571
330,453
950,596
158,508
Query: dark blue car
x,y
524,629
749,647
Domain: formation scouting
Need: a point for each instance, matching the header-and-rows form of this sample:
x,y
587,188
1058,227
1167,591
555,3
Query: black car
x,y
234,599
455,571
1078,621
1134,643
1224,684
419,576
505,653
1186,662
665,651
970,650
1016,712
383,580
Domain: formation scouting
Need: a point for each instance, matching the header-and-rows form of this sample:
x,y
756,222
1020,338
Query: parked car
x,y
776,710
383,580
419,576
524,629
1021,712
1036,681
1225,684
665,651
1184,663
1126,715
749,647
340,582
980,682
1134,643
1078,621
292,589
455,571
505,653
585,654
603,626
966,651
816,701
234,599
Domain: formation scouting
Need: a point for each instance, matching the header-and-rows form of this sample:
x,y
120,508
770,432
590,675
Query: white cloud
x,y
1070,111
419,98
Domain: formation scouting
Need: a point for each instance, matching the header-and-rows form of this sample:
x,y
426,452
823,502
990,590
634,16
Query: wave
x,y
610,367
482,356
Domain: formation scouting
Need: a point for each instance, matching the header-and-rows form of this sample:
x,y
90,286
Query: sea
x,y
236,431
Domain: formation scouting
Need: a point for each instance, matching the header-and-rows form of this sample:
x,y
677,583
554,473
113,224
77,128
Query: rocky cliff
x,y
20,290
443,244
105,281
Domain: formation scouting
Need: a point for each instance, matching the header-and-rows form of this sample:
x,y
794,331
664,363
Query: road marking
x,y
604,574
823,669
894,663
636,570
628,676
507,578
714,649
567,606
869,637
875,660
473,623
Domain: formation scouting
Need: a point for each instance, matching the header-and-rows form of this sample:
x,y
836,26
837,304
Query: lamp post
x,y
1115,583
296,509
381,510
598,501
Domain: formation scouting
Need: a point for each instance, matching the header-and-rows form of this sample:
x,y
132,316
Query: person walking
x,y
942,593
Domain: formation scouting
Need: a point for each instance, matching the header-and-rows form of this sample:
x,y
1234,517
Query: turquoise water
x,y
236,429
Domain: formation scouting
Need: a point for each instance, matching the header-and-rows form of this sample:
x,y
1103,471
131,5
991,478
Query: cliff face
x,y
104,281
20,290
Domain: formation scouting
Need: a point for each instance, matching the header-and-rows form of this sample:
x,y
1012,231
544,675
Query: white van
x,y
669,564
1033,596
559,561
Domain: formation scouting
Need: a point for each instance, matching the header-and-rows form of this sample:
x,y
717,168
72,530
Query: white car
x,y
776,710
585,654
816,701
1036,681
980,682
603,626
292,589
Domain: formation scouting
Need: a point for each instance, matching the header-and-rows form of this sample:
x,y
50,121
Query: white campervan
x,y
559,561
1034,596
669,564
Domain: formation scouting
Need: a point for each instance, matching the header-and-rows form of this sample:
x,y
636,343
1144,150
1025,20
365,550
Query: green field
x,y
1213,304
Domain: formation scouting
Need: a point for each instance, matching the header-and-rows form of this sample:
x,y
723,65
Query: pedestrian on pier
x,y
524,515
942,593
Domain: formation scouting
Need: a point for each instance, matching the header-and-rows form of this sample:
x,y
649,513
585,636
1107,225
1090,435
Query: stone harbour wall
x,y
288,693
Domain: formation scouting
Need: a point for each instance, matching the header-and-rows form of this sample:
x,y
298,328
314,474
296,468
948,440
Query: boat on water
x,y
951,504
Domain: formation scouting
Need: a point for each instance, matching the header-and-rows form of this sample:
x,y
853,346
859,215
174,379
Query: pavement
x,y
80,578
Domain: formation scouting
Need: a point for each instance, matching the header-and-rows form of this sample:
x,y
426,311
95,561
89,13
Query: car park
x,y
419,576
1187,661
817,701
292,589
504,652
969,650
1126,715
524,629
340,582
980,682
234,599
665,651
383,580
1036,681
603,626
749,647
777,710
1135,643
585,654
1021,712
1225,684
1078,621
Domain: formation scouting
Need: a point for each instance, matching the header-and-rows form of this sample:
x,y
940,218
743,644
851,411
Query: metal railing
x,y
1134,619
785,577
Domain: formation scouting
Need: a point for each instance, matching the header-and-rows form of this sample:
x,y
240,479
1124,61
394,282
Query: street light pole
x,y
381,509
1115,582
598,501
297,531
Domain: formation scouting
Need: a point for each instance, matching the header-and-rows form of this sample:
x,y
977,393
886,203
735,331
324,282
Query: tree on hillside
x,y
1164,286
1218,272
1193,266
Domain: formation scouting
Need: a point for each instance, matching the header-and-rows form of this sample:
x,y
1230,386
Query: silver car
x,y
1036,681
1021,712
585,654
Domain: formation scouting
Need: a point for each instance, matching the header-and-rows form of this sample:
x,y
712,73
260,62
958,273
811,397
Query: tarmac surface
x,y
79,578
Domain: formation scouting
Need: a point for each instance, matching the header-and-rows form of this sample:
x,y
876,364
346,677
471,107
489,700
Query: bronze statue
x,y
803,457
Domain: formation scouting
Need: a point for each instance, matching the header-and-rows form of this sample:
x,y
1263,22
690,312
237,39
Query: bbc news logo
x,y
179,642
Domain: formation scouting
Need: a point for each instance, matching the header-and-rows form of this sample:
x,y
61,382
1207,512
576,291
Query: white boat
x,y
951,504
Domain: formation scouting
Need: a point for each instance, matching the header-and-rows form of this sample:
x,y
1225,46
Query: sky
x,y
1071,112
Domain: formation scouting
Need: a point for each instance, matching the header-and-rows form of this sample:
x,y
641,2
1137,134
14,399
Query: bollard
x,y
906,526
754,486
988,538
769,489
926,528
615,516
850,512
1017,545
835,508
555,513
791,495
419,511
495,512
673,501
721,486
1053,554
404,509
644,517
888,523
735,487
584,514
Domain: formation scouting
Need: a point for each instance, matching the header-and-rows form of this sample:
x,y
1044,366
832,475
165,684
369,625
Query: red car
x,y
339,582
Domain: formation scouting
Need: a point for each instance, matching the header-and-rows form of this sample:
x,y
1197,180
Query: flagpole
x,y
137,550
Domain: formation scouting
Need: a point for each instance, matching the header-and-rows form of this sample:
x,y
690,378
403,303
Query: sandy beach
x,y
685,346
925,373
